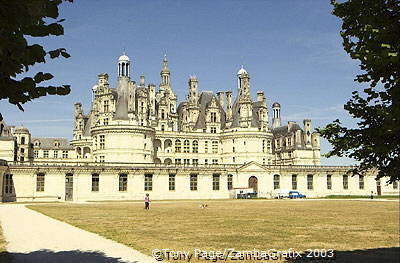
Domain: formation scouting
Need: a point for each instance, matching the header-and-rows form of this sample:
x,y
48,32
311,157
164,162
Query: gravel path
x,y
33,237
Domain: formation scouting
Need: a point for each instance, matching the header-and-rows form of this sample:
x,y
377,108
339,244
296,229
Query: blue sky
x,y
292,50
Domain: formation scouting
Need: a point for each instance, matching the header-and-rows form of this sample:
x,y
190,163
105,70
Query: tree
x,y
370,32
20,20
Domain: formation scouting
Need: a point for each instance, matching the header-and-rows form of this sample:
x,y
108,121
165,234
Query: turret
x,y
193,90
228,105
276,112
121,112
243,85
124,66
165,74
260,96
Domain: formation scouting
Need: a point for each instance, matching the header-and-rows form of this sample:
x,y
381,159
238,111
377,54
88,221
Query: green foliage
x,y
370,32
18,20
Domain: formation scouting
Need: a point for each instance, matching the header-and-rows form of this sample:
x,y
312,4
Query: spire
x,y
165,74
165,63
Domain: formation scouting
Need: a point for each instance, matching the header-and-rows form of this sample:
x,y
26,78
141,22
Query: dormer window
x,y
36,143
56,144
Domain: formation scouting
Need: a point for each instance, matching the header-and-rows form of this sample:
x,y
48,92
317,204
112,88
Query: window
x,y
123,182
206,146
215,184
278,144
95,182
162,114
105,121
106,106
233,149
171,182
276,181
310,182
55,154
345,182
36,153
215,147
269,146
214,161
213,130
193,182
289,141
178,146
40,182
65,154
263,161
102,139
23,140
233,159
148,182
205,161
178,161
162,127
186,161
361,181
195,146
230,182
213,117
9,184
46,154
195,161
329,182
395,185
80,125
186,145
101,158
294,181
263,146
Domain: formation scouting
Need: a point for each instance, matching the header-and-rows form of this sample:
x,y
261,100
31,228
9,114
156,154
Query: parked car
x,y
296,194
283,194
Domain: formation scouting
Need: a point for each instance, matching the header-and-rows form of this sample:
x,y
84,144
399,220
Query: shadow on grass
x,y
48,256
373,255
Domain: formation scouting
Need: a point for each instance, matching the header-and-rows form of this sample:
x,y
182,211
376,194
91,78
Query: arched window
x,y
162,114
186,145
178,146
195,147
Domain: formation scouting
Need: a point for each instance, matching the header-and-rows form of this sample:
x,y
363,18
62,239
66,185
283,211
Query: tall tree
x,y
371,35
20,20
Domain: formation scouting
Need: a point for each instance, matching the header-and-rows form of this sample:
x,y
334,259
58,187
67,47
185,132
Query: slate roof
x,y
48,143
283,130
204,101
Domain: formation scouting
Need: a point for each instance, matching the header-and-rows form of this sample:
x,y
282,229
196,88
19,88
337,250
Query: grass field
x,y
238,224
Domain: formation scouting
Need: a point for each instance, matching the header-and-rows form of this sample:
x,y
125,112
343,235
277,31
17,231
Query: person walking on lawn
x,y
147,202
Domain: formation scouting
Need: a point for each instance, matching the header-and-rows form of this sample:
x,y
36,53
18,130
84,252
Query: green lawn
x,y
238,224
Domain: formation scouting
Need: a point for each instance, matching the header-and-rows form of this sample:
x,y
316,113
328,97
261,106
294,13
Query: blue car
x,y
295,194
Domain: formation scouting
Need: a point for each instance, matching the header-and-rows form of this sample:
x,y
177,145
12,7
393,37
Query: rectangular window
x,y
186,146
95,182
101,158
214,146
361,181
213,130
178,161
36,153
55,154
230,182
106,106
186,161
148,182
263,146
193,182
215,182
329,182
310,182
105,121
123,182
40,182
213,117
65,154
214,161
269,146
102,141
206,146
294,181
345,182
9,184
45,154
171,182
195,161
205,161
195,146
276,181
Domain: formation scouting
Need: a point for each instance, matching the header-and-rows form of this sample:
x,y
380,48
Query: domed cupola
x,y
124,66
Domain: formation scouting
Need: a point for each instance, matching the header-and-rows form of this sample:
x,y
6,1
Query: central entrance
x,y
69,187
253,183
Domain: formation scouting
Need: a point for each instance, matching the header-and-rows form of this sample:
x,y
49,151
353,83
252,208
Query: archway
x,y
253,183
168,161
157,161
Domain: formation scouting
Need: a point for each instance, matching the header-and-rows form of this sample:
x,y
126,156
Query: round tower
x,y
276,112
124,66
